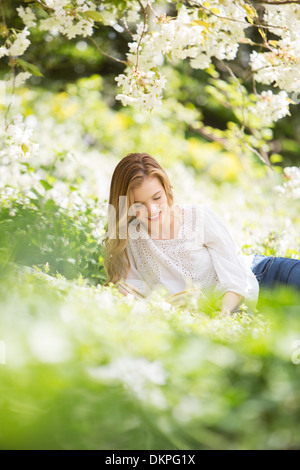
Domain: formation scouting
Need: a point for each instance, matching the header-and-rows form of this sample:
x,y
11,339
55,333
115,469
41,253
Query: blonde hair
x,y
129,173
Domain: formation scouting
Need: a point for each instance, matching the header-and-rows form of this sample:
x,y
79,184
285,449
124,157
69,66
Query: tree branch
x,y
12,95
2,13
228,146
126,26
45,6
240,88
141,37
264,158
103,53
274,2
265,26
154,13
220,140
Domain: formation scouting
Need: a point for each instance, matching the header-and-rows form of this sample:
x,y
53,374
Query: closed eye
x,y
137,205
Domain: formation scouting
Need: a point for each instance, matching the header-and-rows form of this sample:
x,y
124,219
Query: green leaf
x,y
46,184
30,67
275,158
50,205
93,15
39,196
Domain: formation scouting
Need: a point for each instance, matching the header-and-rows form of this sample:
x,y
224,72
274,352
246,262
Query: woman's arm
x,y
122,290
235,280
230,301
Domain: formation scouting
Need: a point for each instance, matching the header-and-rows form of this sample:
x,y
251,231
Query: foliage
x,y
87,369
143,38
43,233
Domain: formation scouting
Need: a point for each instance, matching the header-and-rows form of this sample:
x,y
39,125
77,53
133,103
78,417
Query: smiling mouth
x,y
156,216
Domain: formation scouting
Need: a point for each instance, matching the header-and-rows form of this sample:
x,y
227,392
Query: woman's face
x,y
150,202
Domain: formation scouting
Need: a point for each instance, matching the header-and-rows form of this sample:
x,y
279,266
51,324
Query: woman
x,y
150,241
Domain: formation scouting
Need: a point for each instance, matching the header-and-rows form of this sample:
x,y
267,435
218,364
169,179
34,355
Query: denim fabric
x,y
272,270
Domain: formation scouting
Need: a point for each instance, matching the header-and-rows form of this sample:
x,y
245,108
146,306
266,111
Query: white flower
x,y
55,4
292,172
27,15
140,88
280,65
17,140
133,12
3,51
290,187
19,79
59,21
270,107
20,43
136,373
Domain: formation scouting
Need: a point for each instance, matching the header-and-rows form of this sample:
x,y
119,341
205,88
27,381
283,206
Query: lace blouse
x,y
203,255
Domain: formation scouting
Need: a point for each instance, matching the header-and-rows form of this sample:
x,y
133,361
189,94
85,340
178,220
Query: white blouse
x,y
203,255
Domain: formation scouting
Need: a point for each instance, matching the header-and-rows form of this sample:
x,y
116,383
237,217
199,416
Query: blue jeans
x,y
273,270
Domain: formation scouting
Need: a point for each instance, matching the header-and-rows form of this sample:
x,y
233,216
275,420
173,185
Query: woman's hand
x,y
224,313
230,301
123,291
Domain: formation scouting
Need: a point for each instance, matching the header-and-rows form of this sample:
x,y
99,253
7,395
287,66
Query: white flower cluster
x,y
109,14
270,107
280,65
133,12
68,20
185,36
28,16
222,37
16,148
142,89
177,37
290,187
199,32
17,141
6,87
18,81
137,374
16,44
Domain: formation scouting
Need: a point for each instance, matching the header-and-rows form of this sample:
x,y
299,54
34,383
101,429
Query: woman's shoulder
x,y
198,206
198,216
200,210
194,212
192,218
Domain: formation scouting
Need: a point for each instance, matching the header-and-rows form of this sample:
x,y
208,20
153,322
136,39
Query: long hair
x,y
129,174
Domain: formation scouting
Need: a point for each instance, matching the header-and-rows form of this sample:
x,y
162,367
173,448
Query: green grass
x,y
88,369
